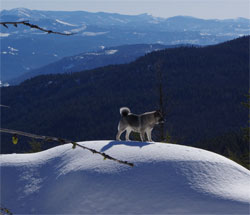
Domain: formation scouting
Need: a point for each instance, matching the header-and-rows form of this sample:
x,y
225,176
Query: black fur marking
x,y
125,112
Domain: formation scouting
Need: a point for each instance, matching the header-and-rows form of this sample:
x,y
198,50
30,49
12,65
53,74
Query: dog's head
x,y
159,117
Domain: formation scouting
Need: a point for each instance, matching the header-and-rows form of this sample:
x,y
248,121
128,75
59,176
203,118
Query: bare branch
x,y
63,141
26,23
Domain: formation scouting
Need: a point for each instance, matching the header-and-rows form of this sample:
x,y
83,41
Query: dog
x,y
143,123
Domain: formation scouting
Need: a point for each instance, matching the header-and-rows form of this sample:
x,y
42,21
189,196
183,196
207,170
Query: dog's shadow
x,y
126,143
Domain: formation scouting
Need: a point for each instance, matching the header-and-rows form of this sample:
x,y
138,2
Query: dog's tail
x,y
124,111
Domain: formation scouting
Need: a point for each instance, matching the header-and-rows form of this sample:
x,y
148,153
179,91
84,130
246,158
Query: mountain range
x,y
24,49
90,60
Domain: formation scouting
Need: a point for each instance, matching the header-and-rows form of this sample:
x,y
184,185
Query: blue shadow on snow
x,y
126,143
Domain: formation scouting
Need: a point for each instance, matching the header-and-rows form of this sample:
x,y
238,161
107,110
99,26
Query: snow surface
x,y
110,52
64,23
87,33
166,179
4,34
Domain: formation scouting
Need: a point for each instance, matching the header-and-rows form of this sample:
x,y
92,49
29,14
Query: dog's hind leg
x,y
128,131
119,134
121,129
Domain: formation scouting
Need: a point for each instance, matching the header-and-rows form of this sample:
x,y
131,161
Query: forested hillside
x,y
203,90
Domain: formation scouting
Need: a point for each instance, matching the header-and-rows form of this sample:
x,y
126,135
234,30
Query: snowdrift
x,y
166,179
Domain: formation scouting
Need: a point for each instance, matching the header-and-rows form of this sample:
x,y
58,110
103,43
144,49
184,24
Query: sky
x,y
207,9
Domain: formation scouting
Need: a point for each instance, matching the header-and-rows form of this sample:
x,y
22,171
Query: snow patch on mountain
x,y
4,84
4,34
87,33
119,20
94,53
110,52
12,49
76,30
68,67
23,12
64,23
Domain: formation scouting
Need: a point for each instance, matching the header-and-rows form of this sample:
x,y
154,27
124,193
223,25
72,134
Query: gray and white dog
x,y
143,123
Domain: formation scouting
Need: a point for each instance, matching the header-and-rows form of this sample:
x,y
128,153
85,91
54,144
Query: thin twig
x,y
5,24
63,141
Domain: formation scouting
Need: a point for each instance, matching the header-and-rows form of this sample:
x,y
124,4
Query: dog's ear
x,y
159,111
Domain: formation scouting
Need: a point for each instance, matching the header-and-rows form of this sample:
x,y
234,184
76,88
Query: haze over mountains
x,y
30,49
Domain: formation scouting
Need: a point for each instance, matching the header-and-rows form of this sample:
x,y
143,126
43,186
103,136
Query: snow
x,y
12,51
204,34
166,179
111,51
4,84
77,30
23,12
87,33
139,34
93,53
196,41
119,20
4,34
65,23
68,67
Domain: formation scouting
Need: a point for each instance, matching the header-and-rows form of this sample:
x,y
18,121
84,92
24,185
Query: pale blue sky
x,y
208,9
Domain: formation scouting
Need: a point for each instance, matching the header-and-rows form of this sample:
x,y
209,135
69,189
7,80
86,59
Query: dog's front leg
x,y
142,135
148,132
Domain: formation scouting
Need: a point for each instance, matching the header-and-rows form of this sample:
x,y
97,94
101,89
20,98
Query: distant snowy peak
x,y
23,12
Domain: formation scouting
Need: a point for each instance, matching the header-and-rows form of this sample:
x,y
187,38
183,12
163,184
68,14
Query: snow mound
x,y
166,179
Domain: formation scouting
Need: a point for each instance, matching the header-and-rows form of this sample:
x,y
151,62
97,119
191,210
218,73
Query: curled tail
x,y
124,111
